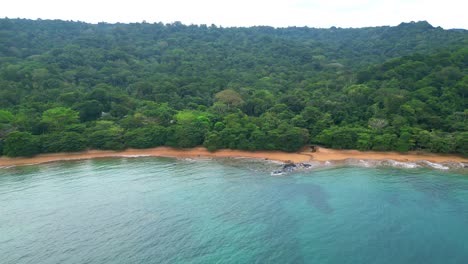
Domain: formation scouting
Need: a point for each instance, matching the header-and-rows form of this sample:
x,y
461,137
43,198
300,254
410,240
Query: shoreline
x,y
321,154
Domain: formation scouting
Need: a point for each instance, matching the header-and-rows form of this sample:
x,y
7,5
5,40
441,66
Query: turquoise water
x,y
156,210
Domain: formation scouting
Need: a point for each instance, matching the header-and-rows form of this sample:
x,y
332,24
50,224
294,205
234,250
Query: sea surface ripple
x,y
163,210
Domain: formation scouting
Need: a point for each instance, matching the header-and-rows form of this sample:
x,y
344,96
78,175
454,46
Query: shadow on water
x,y
280,233
315,195
394,199
22,177
20,170
283,227
436,190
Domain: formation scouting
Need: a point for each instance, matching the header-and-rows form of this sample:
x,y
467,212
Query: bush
x,y
62,142
21,144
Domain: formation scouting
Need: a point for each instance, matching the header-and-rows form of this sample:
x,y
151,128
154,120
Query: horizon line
x,y
144,21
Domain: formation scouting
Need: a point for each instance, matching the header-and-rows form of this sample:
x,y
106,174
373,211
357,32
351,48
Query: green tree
x,y
213,141
6,123
101,94
21,144
405,141
28,120
461,143
146,137
384,142
106,135
230,98
89,110
364,141
442,142
337,84
189,130
63,142
58,118
343,137
291,139
158,113
6,117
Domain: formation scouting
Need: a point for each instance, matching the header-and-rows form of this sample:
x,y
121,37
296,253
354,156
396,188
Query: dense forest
x,y
69,86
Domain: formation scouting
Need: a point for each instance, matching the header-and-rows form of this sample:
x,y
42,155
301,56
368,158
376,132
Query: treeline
x,y
151,125
69,86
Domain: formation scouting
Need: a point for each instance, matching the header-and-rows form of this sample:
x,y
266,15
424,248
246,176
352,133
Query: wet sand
x,y
321,154
324,154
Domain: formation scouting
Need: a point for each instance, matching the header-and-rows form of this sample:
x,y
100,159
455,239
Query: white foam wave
x,y
9,166
276,173
435,165
396,164
365,163
135,156
400,164
197,159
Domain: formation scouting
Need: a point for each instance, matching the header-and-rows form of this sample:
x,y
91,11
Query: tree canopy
x,y
68,86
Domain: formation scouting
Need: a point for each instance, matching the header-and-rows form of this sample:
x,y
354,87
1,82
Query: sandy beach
x,y
321,154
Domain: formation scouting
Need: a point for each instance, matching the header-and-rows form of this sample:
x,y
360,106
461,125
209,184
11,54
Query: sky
x,y
236,13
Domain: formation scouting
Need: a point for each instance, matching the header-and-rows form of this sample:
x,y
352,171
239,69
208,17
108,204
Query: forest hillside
x,y
69,86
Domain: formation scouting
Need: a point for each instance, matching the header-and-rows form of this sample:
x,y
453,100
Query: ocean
x,y
164,210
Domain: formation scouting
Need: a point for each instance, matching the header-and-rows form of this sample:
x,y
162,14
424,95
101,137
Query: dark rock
x,y
288,167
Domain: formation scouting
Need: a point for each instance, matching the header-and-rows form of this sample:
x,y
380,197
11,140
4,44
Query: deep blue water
x,y
157,210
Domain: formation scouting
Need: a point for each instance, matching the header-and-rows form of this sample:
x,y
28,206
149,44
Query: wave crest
x,y
371,164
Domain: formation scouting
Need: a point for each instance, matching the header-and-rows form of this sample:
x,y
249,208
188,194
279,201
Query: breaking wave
x,y
289,167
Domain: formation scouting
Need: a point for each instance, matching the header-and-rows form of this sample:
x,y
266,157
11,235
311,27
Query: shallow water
x,y
158,210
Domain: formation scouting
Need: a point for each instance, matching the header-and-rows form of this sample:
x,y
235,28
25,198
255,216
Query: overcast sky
x,y
312,13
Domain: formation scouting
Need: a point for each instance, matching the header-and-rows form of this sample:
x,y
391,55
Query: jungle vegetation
x,y
69,86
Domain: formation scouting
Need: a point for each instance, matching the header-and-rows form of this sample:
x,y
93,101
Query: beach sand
x,y
321,154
